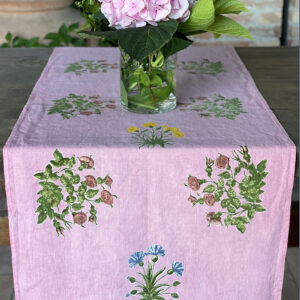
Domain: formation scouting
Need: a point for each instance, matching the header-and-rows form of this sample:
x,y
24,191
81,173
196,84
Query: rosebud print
x,y
108,181
91,181
192,199
80,218
209,199
193,183
222,162
88,160
107,197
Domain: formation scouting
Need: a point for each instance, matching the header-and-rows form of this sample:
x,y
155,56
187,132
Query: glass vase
x,y
148,87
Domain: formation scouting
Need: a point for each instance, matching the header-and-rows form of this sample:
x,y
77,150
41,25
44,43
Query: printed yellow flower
x,y
150,124
173,129
178,134
132,129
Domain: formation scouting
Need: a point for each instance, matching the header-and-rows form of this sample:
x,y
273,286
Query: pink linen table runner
x,y
105,204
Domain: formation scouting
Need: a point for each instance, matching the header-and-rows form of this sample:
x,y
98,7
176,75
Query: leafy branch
x,y
64,193
237,190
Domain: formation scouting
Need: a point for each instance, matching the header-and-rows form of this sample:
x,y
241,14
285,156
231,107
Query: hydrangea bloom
x,y
136,13
156,250
136,258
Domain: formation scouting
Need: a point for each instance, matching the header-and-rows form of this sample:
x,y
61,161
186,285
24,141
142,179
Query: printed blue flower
x,y
127,295
177,267
156,250
136,258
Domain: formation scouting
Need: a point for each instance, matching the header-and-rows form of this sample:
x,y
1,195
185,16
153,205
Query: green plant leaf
x,y
145,79
225,175
42,217
176,44
202,15
140,42
259,208
262,166
209,189
92,193
113,35
229,7
224,25
40,176
175,283
77,206
174,295
8,37
241,227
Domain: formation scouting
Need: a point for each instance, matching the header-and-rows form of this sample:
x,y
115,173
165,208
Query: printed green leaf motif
x,y
90,66
205,67
220,107
238,193
72,106
262,166
224,25
63,194
150,38
202,15
209,189
229,7
91,193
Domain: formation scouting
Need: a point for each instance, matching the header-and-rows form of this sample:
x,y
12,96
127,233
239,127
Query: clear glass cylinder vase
x,y
148,87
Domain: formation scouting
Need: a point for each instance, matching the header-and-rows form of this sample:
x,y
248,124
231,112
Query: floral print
x,y
150,286
154,135
74,105
205,67
219,107
234,184
90,66
64,193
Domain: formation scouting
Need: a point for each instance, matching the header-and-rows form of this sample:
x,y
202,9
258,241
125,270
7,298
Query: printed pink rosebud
x,y
209,199
112,106
107,197
91,181
222,162
211,220
209,162
60,230
98,102
88,160
193,183
108,181
80,218
92,219
244,149
86,113
192,199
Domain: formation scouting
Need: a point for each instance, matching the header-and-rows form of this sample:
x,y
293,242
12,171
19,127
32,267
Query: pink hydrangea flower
x,y
136,13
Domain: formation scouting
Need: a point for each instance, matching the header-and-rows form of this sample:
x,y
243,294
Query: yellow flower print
x,y
132,129
173,129
178,134
150,124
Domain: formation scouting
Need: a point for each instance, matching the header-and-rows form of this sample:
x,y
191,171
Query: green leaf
x,y
224,203
8,37
231,208
241,227
251,213
175,283
262,166
209,189
236,202
229,7
221,182
259,208
92,193
42,217
225,175
76,179
155,80
176,44
77,206
48,170
40,176
113,35
174,295
51,36
140,42
145,79
202,15
57,155
224,25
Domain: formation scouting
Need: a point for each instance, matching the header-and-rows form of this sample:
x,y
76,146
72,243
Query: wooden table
x,y
275,71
